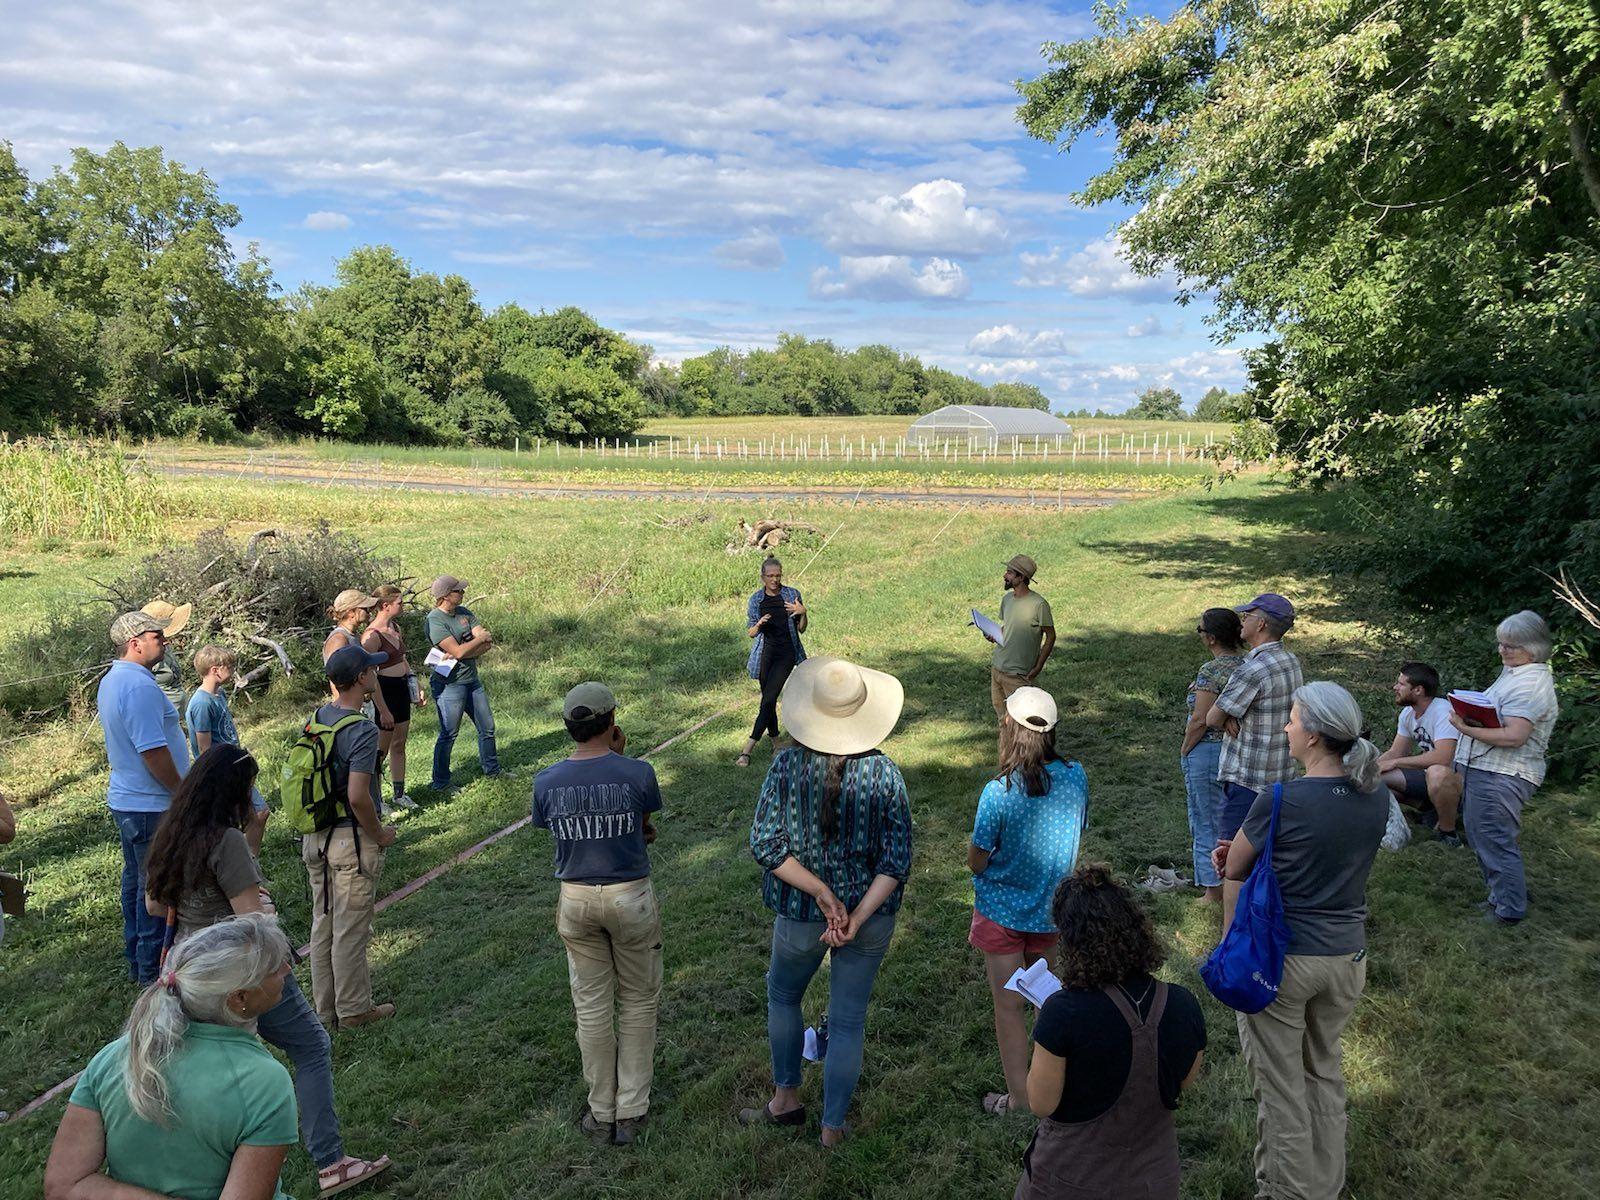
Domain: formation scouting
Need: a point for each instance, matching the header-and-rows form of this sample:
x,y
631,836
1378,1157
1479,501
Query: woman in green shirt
x,y
188,1102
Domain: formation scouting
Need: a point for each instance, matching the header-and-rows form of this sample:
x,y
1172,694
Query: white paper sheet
x,y
440,661
985,625
808,1049
1035,983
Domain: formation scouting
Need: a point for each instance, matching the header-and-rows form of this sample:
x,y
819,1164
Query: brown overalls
x,y
1128,1152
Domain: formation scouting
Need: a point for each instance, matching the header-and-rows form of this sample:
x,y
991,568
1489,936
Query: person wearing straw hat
x,y
1027,631
168,673
350,611
832,831
148,755
1025,840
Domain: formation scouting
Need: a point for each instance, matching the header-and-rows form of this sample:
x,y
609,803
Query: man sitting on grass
x,y
1417,768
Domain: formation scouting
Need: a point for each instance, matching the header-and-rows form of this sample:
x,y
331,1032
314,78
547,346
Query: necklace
x,y
1143,996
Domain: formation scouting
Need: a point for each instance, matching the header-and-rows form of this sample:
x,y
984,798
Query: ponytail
x,y
201,972
1332,713
833,785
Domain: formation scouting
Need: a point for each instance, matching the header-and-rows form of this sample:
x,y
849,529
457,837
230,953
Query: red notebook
x,y
1476,709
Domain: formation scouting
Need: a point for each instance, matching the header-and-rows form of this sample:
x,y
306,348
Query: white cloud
x,y
754,252
930,218
1008,341
1098,271
1149,327
890,277
326,221
1003,371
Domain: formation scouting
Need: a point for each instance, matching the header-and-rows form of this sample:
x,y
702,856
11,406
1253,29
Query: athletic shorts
x,y
991,938
397,695
1416,787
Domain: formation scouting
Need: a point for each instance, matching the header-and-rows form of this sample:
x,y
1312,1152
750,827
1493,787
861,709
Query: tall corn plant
x,y
61,490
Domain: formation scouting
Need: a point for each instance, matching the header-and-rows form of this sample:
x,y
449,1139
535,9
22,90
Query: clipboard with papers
x,y
988,627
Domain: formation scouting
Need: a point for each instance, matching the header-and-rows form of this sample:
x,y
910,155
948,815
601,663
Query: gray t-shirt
x,y
1328,835
596,808
355,748
231,870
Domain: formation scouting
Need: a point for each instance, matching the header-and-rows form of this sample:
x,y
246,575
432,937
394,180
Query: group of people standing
x,y
832,831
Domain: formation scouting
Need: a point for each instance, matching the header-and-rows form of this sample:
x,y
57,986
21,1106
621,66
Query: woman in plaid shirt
x,y
832,831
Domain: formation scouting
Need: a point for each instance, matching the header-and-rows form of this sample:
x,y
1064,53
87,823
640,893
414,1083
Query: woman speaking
x,y
776,617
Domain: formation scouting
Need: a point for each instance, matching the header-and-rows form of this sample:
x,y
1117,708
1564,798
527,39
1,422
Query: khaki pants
x,y
341,982
1292,1050
612,933
1001,685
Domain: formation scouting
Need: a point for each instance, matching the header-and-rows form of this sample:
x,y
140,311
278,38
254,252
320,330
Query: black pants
x,y
775,668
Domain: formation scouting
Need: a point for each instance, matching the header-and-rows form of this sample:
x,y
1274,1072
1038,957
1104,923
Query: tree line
x,y
124,307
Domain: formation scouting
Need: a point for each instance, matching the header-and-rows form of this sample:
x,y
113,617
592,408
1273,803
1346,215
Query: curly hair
x,y
213,798
1106,938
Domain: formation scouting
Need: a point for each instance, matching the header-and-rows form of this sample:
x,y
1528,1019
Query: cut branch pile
x,y
765,534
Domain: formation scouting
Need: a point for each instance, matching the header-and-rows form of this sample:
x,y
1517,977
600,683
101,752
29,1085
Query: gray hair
x,y
1276,627
1332,713
201,972
1528,631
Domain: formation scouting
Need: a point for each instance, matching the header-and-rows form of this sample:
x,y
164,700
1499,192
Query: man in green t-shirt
x,y
1028,630
457,691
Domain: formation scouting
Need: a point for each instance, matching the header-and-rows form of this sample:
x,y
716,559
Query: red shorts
x,y
997,939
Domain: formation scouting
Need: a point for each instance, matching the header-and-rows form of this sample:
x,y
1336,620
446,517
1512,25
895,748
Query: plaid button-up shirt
x,y
1529,692
1260,694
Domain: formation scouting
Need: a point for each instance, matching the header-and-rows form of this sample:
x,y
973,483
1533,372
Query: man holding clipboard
x,y
1027,634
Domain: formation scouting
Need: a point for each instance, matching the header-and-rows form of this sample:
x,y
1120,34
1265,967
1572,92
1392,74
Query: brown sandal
x,y
350,1172
742,761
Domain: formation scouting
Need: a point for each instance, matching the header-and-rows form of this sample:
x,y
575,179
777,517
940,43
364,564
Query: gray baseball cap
x,y
588,700
135,624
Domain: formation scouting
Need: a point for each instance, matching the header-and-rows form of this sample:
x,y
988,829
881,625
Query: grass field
x,y
1473,1060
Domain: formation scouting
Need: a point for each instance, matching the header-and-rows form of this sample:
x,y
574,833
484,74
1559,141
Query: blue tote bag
x,y
1246,968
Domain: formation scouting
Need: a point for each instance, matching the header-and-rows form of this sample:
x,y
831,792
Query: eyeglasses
x,y
1503,647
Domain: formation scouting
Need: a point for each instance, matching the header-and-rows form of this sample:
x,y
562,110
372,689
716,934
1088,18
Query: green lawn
x,y
1473,1060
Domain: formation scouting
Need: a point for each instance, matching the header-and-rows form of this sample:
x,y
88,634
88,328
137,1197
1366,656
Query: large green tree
x,y
1403,197
1158,404
565,375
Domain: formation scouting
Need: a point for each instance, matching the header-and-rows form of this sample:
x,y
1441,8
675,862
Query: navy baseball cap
x,y
1272,604
346,666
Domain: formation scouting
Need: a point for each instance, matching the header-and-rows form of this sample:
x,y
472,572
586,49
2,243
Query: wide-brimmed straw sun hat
x,y
835,707
176,616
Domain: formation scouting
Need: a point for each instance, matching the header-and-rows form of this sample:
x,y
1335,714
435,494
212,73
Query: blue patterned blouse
x,y
873,837
753,614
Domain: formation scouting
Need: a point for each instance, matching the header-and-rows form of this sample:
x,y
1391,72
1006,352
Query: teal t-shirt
x,y
441,625
209,713
226,1091
1033,844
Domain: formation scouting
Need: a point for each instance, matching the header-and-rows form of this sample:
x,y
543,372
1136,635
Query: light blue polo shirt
x,y
1033,844
137,716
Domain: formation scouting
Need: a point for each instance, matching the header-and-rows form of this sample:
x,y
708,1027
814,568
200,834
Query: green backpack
x,y
306,793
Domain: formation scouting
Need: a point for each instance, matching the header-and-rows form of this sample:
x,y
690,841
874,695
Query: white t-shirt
x,y
1432,727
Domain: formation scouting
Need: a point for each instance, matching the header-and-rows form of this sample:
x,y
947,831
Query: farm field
x,y
474,1087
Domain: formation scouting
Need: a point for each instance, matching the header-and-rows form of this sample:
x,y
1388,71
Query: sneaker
x,y
1494,918
595,1131
378,1012
404,801
1450,838
626,1131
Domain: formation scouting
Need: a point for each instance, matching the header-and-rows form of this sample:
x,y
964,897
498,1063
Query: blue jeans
x,y
454,700
292,1027
1236,804
1491,809
1205,808
142,934
796,954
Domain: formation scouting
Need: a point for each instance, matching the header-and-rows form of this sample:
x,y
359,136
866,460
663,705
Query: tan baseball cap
x,y
444,585
176,616
134,624
1023,565
353,598
588,700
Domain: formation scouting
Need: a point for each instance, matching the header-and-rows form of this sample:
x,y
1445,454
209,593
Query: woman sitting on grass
x,y
200,867
1112,1050
833,832
1025,840
187,1102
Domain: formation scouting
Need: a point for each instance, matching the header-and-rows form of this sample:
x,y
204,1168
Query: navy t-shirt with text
x,y
596,809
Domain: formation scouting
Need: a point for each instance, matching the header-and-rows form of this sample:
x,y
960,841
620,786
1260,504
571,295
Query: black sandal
x,y
765,1116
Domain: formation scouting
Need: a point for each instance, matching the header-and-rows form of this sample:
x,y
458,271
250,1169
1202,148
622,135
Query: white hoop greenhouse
x,y
988,425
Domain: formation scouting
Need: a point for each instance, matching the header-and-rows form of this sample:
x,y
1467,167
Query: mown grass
x,y
1473,1059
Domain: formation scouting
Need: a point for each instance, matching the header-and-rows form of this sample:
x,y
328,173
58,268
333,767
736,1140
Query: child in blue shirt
x,y
1025,840
210,722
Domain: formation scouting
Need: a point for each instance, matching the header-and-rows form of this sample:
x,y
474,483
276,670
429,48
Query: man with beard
x,y
1028,635
1418,768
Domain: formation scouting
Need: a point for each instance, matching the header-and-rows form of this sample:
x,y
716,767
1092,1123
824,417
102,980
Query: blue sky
x,y
692,174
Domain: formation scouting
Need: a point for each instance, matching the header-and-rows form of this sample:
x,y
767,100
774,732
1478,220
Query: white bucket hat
x,y
1033,708
835,707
